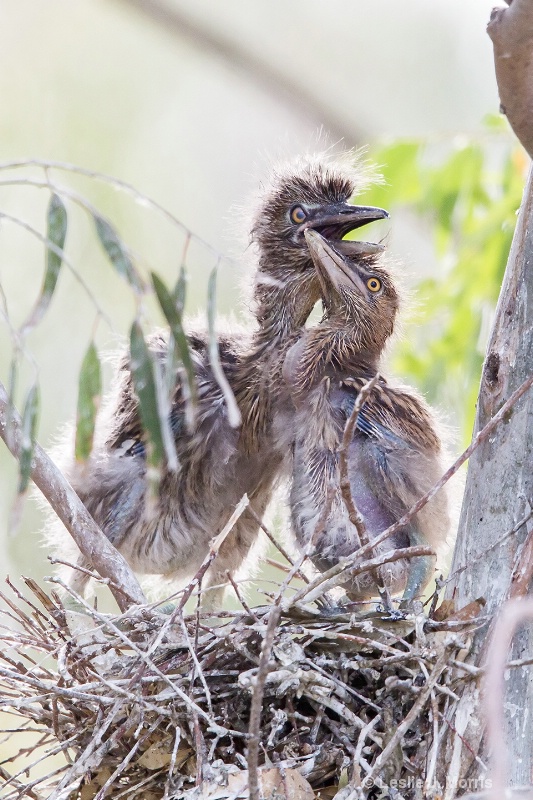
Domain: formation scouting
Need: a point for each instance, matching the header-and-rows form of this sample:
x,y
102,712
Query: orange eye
x,y
374,284
298,215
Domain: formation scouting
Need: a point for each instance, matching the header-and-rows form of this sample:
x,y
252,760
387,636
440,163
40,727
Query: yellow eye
x,y
298,215
374,284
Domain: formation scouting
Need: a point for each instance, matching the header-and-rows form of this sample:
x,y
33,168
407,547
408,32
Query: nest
x,y
287,700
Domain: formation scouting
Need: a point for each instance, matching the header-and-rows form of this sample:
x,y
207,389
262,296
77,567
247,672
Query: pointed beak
x,y
334,222
332,270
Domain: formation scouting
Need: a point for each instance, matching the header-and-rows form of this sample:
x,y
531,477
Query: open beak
x,y
335,222
332,270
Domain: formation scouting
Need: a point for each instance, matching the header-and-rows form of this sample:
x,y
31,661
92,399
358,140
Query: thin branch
x,y
276,543
512,615
522,573
408,720
354,514
89,538
277,82
257,703
310,547
116,183
346,568
483,434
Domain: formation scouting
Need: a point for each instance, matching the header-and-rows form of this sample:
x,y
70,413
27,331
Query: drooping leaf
x,y
144,381
117,253
56,233
234,414
89,393
180,289
30,416
181,344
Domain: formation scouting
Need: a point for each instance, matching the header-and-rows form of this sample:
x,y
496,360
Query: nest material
x,y
152,706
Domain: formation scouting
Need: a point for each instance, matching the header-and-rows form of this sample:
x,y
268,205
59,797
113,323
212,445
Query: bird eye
x,y
374,284
298,215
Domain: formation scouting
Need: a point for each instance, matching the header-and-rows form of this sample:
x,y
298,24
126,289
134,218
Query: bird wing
x,y
393,415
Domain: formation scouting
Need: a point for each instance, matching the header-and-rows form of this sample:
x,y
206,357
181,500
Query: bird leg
x,y
419,572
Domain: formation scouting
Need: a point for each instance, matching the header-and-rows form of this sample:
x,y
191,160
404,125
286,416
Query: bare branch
x,y
511,31
513,613
277,82
72,513
257,703
354,514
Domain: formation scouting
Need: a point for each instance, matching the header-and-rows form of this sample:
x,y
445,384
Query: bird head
x,y
314,196
358,293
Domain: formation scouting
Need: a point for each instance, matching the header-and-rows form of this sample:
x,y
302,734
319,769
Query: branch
x,y
513,614
276,82
254,730
511,31
354,515
89,538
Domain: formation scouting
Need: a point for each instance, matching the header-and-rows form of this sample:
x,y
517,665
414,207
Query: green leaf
x,y
234,414
181,344
56,233
143,373
89,393
117,253
30,416
178,295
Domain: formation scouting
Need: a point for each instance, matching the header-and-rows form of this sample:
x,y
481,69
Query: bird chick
x,y
219,464
395,453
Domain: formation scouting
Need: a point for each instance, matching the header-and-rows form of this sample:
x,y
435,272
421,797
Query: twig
x,y
143,656
483,434
277,82
72,513
257,703
513,613
475,558
310,547
240,598
354,514
275,542
522,573
345,569
408,720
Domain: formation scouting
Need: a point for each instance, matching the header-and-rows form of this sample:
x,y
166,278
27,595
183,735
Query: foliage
x,y
468,192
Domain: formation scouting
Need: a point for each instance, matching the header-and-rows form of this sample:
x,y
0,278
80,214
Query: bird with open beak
x,y
394,456
218,463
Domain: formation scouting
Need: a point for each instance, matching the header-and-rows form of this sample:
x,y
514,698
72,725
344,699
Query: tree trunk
x,y
498,495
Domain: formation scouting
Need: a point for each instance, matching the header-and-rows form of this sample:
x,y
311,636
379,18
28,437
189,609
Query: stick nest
x,y
153,706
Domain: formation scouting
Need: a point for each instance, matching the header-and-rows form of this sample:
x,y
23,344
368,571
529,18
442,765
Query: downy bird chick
x,y
395,453
219,464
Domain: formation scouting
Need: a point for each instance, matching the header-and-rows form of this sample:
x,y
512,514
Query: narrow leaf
x,y
234,414
89,393
117,253
142,370
30,416
178,295
56,234
173,317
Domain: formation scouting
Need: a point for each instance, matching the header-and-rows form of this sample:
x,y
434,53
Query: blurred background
x,y
190,101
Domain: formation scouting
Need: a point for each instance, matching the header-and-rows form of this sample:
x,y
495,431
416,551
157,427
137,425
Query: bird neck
x,y
328,350
281,313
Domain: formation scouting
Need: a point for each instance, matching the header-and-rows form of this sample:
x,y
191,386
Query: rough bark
x,y
73,514
511,31
498,494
